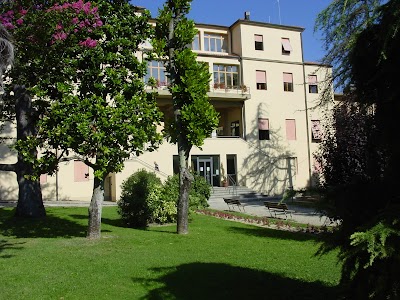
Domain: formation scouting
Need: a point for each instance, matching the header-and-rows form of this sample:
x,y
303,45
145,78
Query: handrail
x,y
234,185
149,166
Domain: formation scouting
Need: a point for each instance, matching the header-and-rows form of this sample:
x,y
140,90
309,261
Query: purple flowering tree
x,y
77,60
47,40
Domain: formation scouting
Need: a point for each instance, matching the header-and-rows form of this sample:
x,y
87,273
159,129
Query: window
x,y
156,70
43,178
225,76
317,167
286,47
291,129
196,42
235,128
263,129
81,171
258,40
261,80
315,131
288,82
312,84
215,42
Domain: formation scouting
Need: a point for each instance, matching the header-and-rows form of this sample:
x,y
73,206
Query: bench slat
x,y
276,206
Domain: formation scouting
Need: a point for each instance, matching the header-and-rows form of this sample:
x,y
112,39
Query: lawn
x,y
52,259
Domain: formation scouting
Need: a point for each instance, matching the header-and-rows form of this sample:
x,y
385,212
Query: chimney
x,y
247,15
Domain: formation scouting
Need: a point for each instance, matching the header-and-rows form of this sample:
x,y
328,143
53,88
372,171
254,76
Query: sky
x,y
300,13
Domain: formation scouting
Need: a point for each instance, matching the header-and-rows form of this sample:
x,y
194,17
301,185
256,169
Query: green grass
x,y
52,259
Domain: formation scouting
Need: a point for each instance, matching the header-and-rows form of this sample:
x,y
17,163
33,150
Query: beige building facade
x,y
268,130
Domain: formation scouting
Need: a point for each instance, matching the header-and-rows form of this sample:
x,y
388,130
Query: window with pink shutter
x,y
288,82
261,80
286,47
43,178
316,131
263,129
258,40
291,129
317,167
81,171
312,84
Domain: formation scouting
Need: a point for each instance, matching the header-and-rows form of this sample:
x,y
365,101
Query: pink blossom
x,y
60,36
78,5
20,22
98,23
89,43
86,8
8,25
75,21
23,12
59,27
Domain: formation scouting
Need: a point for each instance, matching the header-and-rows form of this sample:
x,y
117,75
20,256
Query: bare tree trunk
x,y
30,201
95,209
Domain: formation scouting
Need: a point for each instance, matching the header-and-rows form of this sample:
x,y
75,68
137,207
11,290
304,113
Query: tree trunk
x,y
95,209
30,201
185,180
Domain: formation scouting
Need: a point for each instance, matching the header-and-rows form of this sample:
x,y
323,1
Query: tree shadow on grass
x,y
6,245
274,233
222,281
50,227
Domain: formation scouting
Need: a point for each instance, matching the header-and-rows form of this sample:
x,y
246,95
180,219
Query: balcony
x,y
222,91
216,91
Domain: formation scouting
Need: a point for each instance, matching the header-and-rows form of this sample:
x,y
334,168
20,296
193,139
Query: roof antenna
x,y
279,11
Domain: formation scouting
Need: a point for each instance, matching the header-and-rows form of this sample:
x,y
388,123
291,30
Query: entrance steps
x,y
245,194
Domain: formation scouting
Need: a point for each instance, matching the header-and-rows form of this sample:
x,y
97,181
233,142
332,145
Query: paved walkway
x,y
69,203
255,208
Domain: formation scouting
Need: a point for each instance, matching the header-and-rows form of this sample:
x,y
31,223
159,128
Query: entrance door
x,y
231,168
205,168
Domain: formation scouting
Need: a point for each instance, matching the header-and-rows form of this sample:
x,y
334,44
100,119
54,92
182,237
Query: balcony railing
x,y
229,89
214,88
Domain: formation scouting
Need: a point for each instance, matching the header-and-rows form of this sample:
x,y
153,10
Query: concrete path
x,y
256,208
69,203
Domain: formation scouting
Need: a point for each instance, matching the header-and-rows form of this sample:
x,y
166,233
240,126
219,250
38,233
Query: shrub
x,y
139,197
199,192
145,200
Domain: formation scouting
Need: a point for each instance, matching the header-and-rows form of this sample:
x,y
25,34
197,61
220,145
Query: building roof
x,y
312,63
268,25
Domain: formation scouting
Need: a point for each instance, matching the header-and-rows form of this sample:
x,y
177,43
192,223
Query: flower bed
x,y
265,222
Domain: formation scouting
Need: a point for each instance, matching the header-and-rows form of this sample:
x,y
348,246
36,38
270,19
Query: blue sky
x,y
225,12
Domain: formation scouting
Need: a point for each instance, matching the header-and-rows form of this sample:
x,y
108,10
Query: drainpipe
x,y
56,178
306,111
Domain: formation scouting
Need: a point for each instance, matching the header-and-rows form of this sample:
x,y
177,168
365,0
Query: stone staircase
x,y
245,194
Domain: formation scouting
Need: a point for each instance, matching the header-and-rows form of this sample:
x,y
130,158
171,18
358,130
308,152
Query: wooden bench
x,y
234,200
274,207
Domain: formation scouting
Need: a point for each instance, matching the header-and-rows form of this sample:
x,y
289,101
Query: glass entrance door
x,y
205,168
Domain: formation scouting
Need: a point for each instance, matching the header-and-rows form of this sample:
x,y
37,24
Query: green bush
x,y
139,197
199,193
145,200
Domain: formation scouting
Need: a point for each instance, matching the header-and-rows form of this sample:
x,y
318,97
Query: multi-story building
x,y
266,96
